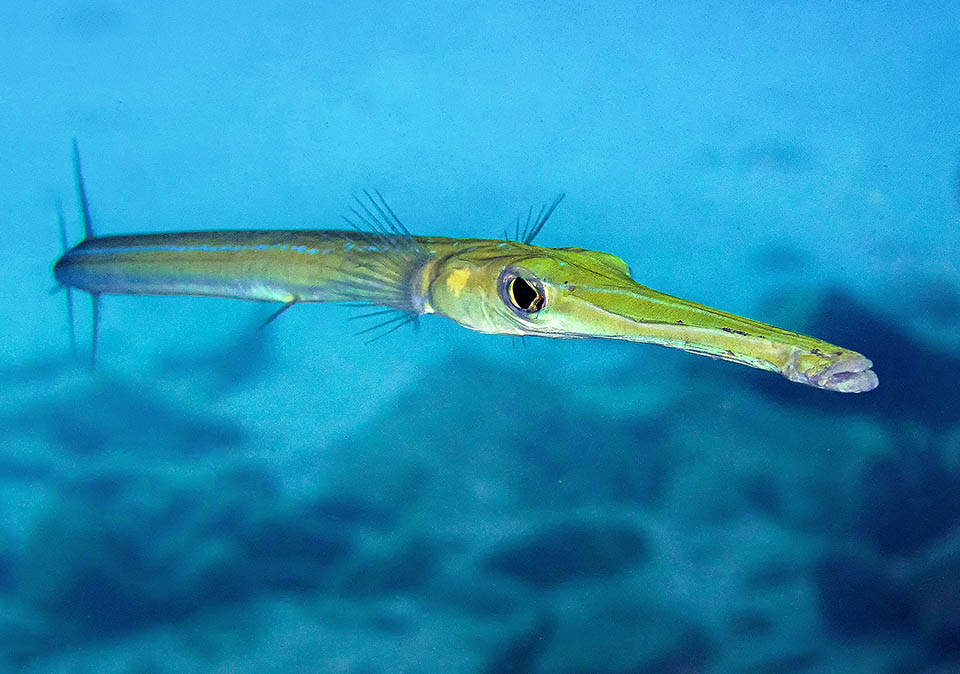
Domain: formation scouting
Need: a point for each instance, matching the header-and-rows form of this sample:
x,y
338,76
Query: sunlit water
x,y
217,498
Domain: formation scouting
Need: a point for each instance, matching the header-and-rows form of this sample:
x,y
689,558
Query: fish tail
x,y
65,242
82,200
84,205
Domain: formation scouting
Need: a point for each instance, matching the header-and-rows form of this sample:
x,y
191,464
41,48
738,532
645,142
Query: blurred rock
x,y
6,570
803,661
123,554
522,652
354,512
858,599
529,445
407,568
477,595
908,501
108,414
571,551
933,577
599,633
916,382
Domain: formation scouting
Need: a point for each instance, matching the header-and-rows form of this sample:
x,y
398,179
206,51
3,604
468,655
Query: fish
x,y
507,286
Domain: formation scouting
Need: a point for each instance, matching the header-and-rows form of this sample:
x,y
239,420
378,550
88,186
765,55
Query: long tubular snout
x,y
637,313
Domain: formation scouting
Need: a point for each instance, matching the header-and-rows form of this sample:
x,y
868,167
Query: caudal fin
x,y
84,205
66,246
82,193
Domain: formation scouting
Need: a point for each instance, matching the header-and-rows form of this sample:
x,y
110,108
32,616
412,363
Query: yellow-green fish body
x,y
489,285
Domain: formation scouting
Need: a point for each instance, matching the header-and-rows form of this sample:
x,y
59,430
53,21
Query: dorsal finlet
x,y
533,225
82,193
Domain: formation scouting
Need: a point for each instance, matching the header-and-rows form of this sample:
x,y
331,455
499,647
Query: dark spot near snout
x,y
735,332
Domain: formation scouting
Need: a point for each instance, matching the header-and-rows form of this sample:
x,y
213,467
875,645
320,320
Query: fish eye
x,y
523,295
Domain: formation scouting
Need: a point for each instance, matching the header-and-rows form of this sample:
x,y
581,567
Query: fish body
x,y
263,265
493,286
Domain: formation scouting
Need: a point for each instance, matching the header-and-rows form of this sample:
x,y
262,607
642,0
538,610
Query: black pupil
x,y
525,296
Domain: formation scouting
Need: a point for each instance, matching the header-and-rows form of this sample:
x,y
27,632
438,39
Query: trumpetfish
x,y
495,286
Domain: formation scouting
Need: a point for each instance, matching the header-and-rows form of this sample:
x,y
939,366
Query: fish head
x,y
571,293
528,290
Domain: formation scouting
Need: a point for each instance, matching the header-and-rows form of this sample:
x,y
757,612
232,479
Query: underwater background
x,y
221,499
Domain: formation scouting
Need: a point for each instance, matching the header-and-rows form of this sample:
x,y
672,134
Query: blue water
x,y
221,499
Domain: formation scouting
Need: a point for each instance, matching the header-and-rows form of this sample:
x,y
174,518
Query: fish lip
x,y
850,373
851,376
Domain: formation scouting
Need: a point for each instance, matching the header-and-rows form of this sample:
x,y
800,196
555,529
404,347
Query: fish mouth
x,y
849,373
